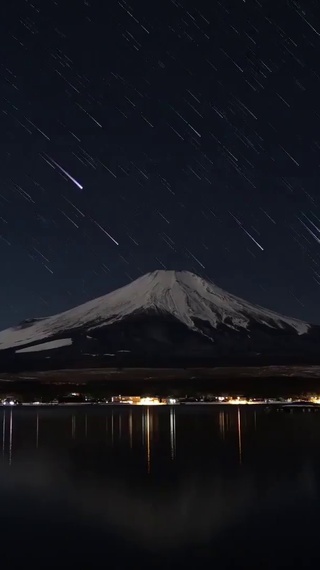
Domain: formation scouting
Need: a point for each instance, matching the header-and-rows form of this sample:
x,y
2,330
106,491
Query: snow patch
x,y
46,345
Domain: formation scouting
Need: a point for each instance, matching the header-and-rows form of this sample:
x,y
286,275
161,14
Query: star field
x,y
172,134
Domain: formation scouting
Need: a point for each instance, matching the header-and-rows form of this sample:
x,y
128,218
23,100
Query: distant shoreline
x,y
131,374
50,405
264,381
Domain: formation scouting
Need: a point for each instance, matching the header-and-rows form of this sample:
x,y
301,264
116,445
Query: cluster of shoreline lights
x,y
143,401
237,401
150,401
140,401
132,400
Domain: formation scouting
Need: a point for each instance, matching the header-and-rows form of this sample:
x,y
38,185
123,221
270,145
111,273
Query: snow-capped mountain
x,y
164,312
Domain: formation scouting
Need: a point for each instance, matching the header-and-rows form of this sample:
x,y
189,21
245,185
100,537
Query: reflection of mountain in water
x,y
199,509
160,477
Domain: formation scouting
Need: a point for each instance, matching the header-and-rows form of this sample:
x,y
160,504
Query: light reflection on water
x,y
167,479
136,427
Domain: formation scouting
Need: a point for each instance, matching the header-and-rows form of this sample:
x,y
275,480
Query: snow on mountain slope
x,y
181,294
51,345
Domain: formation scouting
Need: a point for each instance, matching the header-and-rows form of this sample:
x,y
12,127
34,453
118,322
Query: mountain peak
x,y
168,275
167,278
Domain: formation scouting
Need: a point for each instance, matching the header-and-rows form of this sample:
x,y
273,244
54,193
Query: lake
x,y
159,487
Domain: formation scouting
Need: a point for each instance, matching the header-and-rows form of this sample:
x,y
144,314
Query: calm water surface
x,y
159,488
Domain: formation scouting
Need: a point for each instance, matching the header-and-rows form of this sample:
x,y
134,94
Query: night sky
x,y
159,134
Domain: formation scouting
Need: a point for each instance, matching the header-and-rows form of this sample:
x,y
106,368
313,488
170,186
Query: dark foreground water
x,y
159,488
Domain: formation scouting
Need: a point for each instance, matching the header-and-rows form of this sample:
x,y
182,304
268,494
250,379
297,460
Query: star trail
x,y
174,134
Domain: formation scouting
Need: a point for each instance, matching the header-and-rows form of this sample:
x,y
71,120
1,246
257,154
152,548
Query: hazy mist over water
x,y
164,487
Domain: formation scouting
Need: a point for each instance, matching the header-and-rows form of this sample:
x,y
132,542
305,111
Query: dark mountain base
x,y
250,382
13,364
